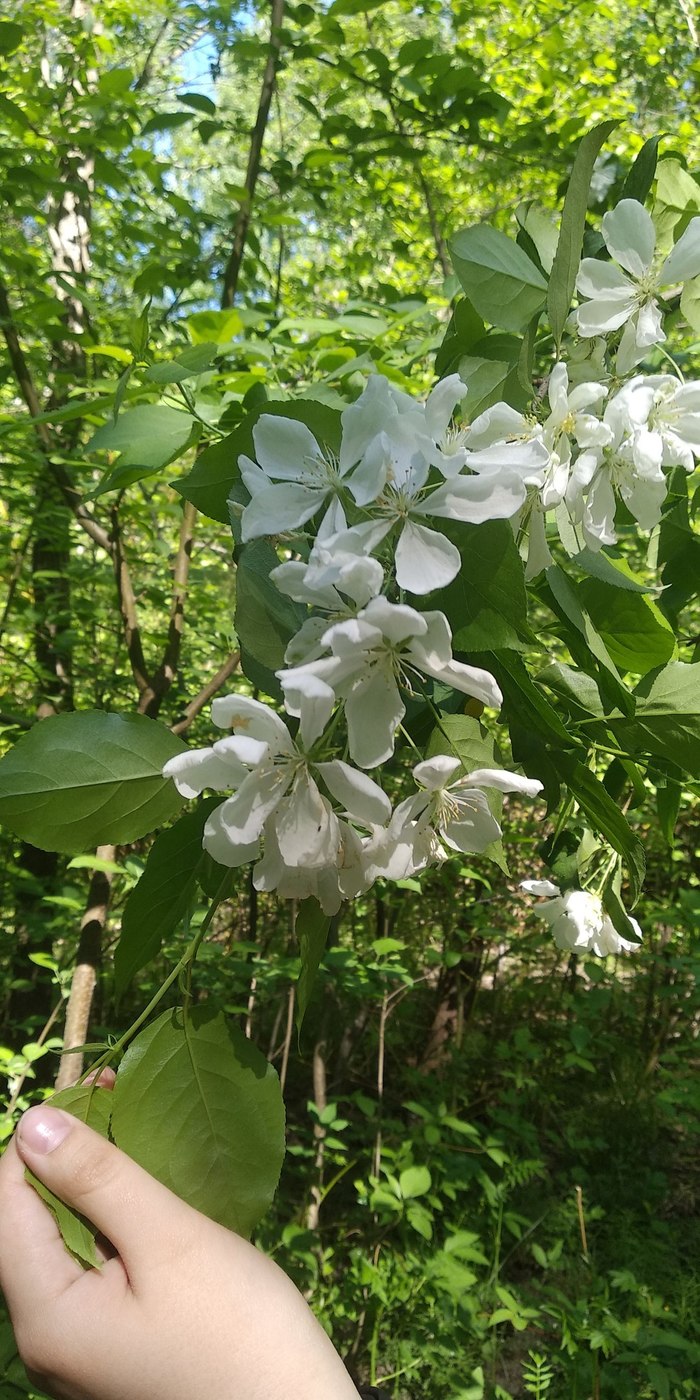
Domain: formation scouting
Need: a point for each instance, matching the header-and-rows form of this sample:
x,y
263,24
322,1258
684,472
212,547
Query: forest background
x,y
283,182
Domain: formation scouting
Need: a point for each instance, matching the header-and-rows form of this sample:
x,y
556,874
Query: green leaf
x,y
524,701
641,176
190,362
217,326
605,817
11,36
166,121
265,619
147,438
573,221
464,330
463,737
567,605
598,564
88,779
578,690
166,891
668,804
667,717
311,926
198,1106
502,283
486,605
198,101
414,1181
92,1106
637,636
690,303
493,372
215,471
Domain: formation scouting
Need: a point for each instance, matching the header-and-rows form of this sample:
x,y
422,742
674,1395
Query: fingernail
x,y
41,1129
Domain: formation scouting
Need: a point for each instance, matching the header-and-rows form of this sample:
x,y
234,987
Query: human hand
x,y
183,1310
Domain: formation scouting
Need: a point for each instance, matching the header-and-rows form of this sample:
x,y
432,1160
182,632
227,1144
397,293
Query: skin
x,y
181,1309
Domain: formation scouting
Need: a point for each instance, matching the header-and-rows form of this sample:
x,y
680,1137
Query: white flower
x,y
455,810
503,440
627,297
579,922
375,652
670,413
629,466
568,419
290,481
394,439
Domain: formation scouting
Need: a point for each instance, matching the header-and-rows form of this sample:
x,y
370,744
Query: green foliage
x,y
163,896
227,1160
83,780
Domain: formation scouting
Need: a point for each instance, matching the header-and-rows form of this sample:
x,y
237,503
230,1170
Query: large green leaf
x,y
486,605
311,926
92,1106
605,817
163,895
501,282
637,636
199,1106
667,717
215,471
147,438
265,620
89,779
573,220
566,603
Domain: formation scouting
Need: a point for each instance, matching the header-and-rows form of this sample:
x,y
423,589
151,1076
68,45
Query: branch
x,y
240,230
27,388
195,706
85,972
127,608
152,698
145,75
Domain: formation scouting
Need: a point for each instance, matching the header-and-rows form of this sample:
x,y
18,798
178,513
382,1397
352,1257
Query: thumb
x,y
135,1212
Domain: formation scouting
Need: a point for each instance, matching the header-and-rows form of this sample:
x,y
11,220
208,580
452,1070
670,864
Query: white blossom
x,y
623,292
579,922
374,653
455,810
628,466
290,481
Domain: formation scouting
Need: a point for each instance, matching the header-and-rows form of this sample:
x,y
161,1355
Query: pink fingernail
x,y
42,1128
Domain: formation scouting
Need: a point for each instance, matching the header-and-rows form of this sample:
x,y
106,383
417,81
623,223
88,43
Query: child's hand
x,y
185,1310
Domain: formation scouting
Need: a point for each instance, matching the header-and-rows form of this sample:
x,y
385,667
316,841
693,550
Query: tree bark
x,y
242,223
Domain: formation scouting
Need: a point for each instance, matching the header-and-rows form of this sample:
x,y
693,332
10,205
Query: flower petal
x,y
217,842
284,448
311,701
280,508
306,826
683,261
441,404
363,799
502,781
425,559
373,711
630,236
544,887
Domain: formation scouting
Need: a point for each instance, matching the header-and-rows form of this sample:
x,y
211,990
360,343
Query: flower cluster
x,y
380,518
316,825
